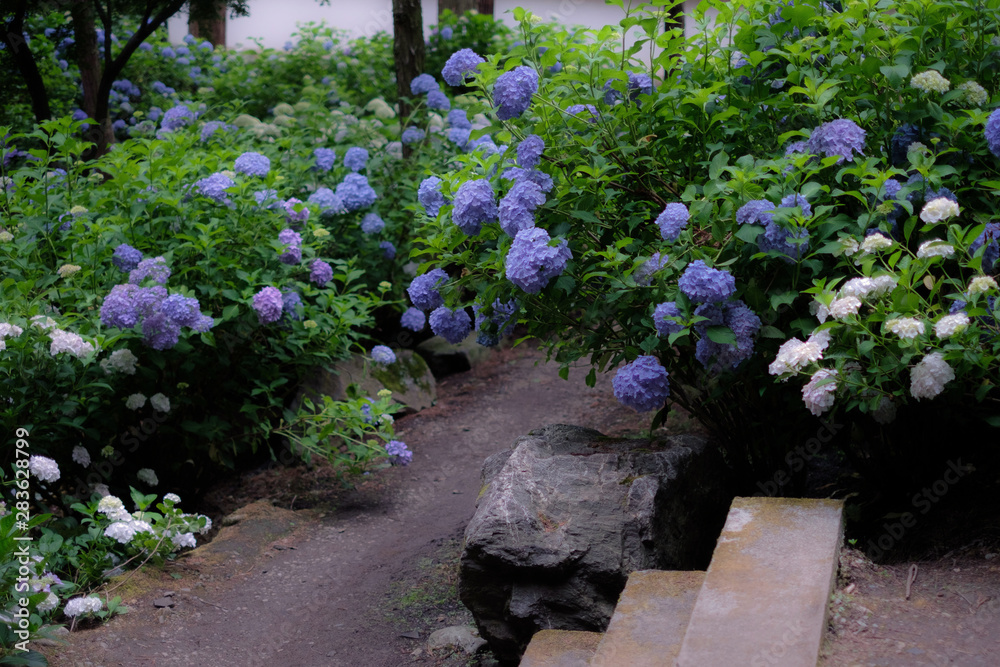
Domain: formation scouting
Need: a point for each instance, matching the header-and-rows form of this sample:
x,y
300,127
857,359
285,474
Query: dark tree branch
x,y
13,38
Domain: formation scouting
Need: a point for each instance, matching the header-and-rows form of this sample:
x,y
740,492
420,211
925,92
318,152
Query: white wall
x,y
275,20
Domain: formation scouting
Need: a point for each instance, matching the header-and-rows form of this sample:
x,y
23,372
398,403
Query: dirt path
x,y
340,589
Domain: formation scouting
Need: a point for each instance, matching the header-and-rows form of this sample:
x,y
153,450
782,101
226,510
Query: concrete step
x,y
648,625
765,594
561,648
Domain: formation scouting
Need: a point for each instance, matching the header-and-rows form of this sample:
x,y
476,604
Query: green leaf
x,y
50,542
749,233
767,331
721,335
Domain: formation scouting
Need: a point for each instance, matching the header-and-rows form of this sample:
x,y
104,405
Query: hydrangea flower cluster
x,y
430,197
269,305
176,118
644,274
252,164
82,605
291,304
320,273
672,220
356,158
452,325
703,284
437,100
327,201
743,322
126,258
513,90
211,127
66,341
794,354
423,290
295,210
355,192
43,468
413,319
517,208
292,242
154,268
388,249
819,393
325,158
214,187
161,315
665,318
475,204
931,81
992,132
841,137
413,135
990,237
147,475
532,262
399,454
423,84
938,210
372,224
642,385
460,65
929,376
383,355
490,329
529,151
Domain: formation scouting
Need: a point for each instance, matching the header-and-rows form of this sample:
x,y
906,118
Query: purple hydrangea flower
x,y
210,128
252,164
155,268
899,144
891,188
423,290
458,118
475,204
325,158
513,91
269,305
356,158
388,249
182,310
529,151
214,187
452,325
160,332
639,84
147,300
532,262
126,258
755,212
118,309
665,318
320,272
270,195
990,237
436,99
176,118
413,135
399,454
672,220
703,284
430,197
795,199
642,385
744,324
490,329
575,109
447,32
372,224
644,274
992,132
355,192
327,201
518,205
295,216
292,241
460,65
291,304
383,355
460,137
841,137
423,84
484,145
413,319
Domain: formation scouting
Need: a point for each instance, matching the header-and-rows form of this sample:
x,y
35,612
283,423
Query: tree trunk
x,y
212,29
408,52
13,38
87,58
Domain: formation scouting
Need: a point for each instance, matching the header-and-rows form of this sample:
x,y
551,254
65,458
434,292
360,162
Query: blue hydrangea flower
x,y
126,258
269,305
703,284
168,52
383,355
499,323
430,197
782,240
460,137
413,135
118,309
532,262
642,385
891,188
325,158
252,164
665,318
436,99
423,84
292,241
423,289
398,453
793,200
990,237
176,118
744,324
327,201
672,220
513,90
644,274
210,128
475,204
356,158
147,300
992,132
160,332
162,89
460,65
447,32
517,208
320,273
155,268
372,224
458,118
413,319
905,134
295,210
214,187
484,145
388,249
529,151
291,305
182,310
539,178
841,137
796,148
755,212
452,325
355,192
576,109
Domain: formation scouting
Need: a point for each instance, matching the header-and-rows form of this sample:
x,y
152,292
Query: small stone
x,y
410,634
160,603
459,636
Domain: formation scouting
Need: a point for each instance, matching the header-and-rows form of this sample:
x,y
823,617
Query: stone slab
x,y
652,614
561,648
764,599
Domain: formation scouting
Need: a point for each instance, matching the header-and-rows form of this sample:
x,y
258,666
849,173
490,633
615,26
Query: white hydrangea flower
x,y
949,325
140,526
935,248
874,243
981,285
850,245
928,378
110,504
160,403
66,270
387,419
43,468
794,354
122,531
172,498
6,236
208,524
183,540
973,94
9,330
820,398
81,456
931,81
885,413
859,287
939,209
884,284
844,307
148,476
66,341
135,401
43,322
77,210
905,327
48,604
101,489
122,361
78,606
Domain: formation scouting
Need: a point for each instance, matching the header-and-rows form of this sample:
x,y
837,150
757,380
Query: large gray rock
x,y
568,513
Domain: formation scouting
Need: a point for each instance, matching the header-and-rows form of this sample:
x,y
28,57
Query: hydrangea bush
x,y
789,214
